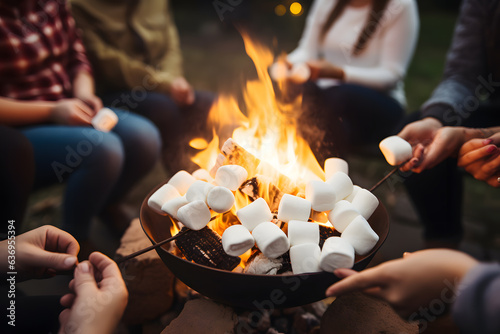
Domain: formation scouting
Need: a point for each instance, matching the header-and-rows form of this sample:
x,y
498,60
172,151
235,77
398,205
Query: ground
x,y
214,59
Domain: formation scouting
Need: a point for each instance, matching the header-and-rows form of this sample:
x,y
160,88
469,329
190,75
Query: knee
x,y
104,150
142,141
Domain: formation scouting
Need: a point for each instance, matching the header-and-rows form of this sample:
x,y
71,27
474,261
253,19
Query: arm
x,y
98,300
171,64
464,64
41,252
400,38
477,306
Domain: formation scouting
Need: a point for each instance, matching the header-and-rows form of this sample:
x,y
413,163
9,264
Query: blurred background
x,y
215,60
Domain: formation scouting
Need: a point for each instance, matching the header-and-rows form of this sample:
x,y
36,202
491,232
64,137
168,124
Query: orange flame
x,y
268,129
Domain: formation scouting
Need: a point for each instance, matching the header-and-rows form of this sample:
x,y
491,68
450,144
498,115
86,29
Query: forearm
x,y
83,84
18,113
472,133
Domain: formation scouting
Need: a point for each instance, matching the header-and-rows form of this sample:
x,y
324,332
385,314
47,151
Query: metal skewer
x,y
386,177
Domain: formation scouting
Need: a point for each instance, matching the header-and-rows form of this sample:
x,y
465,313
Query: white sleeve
x,y
400,38
308,44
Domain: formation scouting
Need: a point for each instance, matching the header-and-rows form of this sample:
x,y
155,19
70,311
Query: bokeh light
x,y
296,8
280,10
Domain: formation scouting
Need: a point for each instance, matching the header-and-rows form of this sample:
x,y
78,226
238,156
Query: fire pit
x,y
248,290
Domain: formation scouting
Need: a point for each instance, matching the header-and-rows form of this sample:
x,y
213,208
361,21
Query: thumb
x,y
84,281
56,261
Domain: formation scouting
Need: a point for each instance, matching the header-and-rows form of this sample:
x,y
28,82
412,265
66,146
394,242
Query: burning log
x,y
205,247
234,154
261,186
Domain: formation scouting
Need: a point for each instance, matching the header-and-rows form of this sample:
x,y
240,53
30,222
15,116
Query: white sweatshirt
x,y
382,64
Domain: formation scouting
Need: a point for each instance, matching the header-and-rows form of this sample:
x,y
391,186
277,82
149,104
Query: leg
x,y
89,160
17,174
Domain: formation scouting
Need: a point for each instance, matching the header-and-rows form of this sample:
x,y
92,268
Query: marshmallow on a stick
x,y
231,176
198,191
172,206
105,120
194,215
293,208
342,215
278,71
162,195
301,232
396,150
220,199
254,214
354,191
236,240
271,240
182,180
336,253
334,165
305,258
360,235
321,195
299,73
365,202
341,184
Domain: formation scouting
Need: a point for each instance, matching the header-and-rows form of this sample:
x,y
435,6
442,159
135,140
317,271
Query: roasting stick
x,y
387,176
159,244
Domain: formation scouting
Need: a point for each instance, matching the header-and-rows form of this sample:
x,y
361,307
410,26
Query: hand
x,y
481,158
72,112
408,283
324,69
182,92
92,101
42,252
419,134
98,300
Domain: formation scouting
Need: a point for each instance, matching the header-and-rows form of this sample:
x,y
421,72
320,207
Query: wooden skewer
x,y
385,178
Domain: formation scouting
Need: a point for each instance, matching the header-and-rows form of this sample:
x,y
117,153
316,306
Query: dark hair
x,y
371,25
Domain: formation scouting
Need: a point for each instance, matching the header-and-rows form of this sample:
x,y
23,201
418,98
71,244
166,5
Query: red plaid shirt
x,y
40,51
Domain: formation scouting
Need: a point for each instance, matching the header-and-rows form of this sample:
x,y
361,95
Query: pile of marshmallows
x,y
189,198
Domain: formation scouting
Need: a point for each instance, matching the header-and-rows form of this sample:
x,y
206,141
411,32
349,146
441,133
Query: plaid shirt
x,y
40,51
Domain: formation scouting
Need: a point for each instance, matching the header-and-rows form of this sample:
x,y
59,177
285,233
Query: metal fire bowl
x,y
245,290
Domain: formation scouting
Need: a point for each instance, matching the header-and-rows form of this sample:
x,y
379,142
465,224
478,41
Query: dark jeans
x,y
437,193
100,168
338,118
177,125
17,173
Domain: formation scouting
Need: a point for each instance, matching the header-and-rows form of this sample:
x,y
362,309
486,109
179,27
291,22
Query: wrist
x,y
472,133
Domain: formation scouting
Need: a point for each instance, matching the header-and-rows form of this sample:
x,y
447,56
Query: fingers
x,y
67,300
83,112
360,281
105,266
57,240
477,154
84,282
418,152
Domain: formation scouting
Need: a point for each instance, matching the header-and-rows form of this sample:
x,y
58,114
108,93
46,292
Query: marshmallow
x,y
300,232
104,120
360,235
365,202
293,208
299,73
182,180
271,240
334,165
220,199
396,150
341,184
336,253
198,191
162,195
236,240
254,214
172,206
231,176
203,175
278,71
194,215
305,258
342,215
355,190
321,195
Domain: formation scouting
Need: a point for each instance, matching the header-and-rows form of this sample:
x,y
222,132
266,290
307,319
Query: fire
x,y
267,127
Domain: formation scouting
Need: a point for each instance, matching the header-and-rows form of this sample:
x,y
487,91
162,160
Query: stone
x,y
203,316
149,282
357,313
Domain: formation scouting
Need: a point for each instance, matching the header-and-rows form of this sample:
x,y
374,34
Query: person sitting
x,y
134,47
358,52
468,100
47,93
